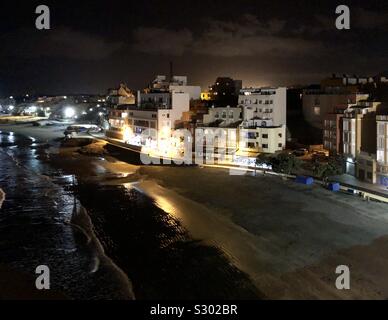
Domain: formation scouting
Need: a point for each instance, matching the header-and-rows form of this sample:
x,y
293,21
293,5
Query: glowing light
x,y
69,112
127,133
11,107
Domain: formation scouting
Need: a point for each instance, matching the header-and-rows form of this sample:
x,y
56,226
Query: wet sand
x,y
287,238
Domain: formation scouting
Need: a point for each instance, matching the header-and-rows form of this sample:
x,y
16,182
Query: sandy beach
x,y
287,238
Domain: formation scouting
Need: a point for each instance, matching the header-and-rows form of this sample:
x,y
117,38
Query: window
x,y
369,175
381,129
380,144
265,136
250,145
346,126
280,135
261,102
265,146
280,145
217,115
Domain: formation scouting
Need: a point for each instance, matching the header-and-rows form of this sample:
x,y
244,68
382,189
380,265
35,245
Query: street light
x,y
69,112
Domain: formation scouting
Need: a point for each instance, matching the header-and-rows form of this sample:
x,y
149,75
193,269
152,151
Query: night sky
x,y
94,45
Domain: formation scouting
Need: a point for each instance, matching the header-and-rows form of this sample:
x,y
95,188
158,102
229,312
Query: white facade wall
x,y
226,115
193,91
263,139
180,103
267,104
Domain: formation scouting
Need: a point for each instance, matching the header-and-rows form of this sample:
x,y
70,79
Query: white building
x,y
267,104
176,84
264,125
224,116
259,139
152,120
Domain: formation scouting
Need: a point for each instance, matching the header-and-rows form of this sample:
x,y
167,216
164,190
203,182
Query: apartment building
x,y
359,140
264,125
332,133
317,104
382,150
155,114
223,116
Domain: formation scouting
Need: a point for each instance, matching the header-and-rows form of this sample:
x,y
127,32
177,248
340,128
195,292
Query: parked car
x,y
300,152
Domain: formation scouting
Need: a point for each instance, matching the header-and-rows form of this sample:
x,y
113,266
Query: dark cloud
x,y
245,37
60,42
162,41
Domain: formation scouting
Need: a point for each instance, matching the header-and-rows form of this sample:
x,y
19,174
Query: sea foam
x,y
2,197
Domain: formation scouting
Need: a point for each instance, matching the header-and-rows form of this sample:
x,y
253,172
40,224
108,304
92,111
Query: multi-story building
x,y
382,150
318,103
332,133
264,119
121,96
151,121
223,116
223,93
266,104
359,139
175,84
255,138
259,120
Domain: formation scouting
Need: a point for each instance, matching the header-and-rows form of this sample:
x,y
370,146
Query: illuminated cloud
x,y
246,37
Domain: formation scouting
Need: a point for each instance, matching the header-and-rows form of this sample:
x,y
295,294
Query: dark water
x,y
146,243
36,226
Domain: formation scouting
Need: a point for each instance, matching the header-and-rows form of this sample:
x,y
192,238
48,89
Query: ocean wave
x,y
2,197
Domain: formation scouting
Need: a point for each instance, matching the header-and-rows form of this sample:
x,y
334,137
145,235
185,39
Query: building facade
x,y
359,140
382,150
317,104
332,133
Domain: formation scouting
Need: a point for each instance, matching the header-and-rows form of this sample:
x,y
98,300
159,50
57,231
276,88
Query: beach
x,y
265,237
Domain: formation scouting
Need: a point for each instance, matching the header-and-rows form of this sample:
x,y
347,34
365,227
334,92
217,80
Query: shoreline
x,y
80,222
289,254
2,197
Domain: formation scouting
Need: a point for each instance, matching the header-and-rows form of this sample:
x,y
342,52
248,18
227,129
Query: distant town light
x,y
11,107
69,112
